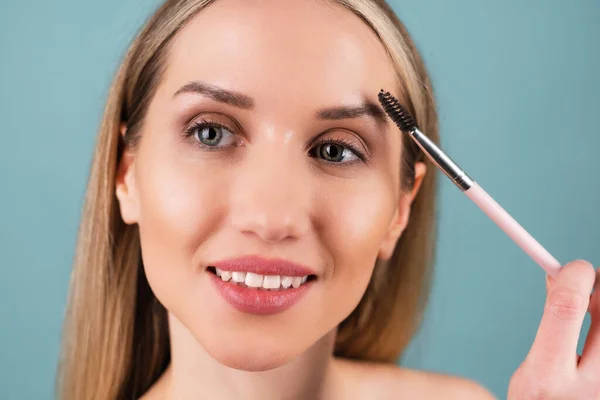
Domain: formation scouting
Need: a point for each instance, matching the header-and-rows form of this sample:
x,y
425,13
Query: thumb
x,y
550,282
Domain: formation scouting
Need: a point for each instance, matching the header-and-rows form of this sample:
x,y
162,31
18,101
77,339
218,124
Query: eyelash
x,y
199,125
344,143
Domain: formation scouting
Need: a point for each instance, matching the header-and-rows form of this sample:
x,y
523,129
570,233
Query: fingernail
x,y
584,262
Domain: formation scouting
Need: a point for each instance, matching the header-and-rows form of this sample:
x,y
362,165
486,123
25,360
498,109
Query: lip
x,y
257,301
263,266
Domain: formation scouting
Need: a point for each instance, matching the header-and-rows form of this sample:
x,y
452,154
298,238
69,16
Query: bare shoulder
x,y
383,381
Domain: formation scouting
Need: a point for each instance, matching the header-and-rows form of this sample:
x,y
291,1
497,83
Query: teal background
x,y
518,90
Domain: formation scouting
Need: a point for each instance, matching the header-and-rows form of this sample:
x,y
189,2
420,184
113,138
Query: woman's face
x,y
263,178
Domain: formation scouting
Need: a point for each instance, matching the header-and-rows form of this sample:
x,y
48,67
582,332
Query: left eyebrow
x,y
343,112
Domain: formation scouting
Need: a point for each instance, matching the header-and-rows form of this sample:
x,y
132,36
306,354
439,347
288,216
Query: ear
x,y
402,214
125,189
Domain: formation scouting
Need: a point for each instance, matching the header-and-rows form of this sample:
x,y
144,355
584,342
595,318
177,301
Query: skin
x,y
553,369
267,188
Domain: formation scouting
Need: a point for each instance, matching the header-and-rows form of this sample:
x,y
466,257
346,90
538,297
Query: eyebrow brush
x,y
402,118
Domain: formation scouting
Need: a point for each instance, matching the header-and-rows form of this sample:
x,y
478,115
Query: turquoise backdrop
x,y
519,97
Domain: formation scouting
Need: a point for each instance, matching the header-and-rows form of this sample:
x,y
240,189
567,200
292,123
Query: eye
x,y
333,152
210,134
337,151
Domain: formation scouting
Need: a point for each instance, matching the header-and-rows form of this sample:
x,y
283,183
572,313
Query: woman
x,y
254,226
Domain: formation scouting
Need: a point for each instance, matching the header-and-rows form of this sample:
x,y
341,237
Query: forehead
x,y
303,51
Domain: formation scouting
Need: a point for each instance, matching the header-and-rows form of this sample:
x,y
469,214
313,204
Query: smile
x,y
253,293
261,282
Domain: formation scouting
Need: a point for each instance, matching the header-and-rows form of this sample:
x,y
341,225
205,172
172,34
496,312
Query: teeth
x,y
286,281
271,282
297,281
225,275
253,280
238,277
262,282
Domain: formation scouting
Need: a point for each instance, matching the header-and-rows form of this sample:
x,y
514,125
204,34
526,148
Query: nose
x,y
270,196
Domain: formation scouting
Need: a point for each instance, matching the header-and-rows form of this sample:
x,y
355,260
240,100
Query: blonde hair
x,y
116,340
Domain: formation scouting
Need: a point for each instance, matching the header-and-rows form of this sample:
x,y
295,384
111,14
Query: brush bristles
x,y
397,112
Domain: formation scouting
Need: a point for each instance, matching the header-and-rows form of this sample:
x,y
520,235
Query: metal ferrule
x,y
441,159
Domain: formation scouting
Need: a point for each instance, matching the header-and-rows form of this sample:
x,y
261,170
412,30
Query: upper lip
x,y
263,266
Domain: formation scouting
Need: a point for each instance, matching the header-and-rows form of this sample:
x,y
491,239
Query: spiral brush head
x,y
397,112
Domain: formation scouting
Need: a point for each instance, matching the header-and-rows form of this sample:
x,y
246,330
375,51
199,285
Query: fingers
x,y
555,344
550,281
590,359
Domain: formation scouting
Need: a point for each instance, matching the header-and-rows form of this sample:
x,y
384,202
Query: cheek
x,y
178,204
357,224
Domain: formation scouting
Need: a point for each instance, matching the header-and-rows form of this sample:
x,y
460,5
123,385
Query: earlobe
x,y
125,189
402,214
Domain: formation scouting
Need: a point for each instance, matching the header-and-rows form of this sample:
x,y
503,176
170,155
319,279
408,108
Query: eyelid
x,y
213,117
363,144
361,155
191,129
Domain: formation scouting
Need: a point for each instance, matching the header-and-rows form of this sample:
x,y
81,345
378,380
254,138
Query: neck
x,y
193,373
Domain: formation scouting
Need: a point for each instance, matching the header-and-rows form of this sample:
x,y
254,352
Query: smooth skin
x,y
553,369
267,187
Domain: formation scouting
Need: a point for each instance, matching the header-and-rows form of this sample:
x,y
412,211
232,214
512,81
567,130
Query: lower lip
x,y
256,301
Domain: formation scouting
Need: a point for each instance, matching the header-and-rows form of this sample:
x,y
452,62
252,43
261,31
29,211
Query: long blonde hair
x,y
116,340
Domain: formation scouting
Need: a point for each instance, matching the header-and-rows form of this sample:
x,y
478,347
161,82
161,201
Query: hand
x,y
552,369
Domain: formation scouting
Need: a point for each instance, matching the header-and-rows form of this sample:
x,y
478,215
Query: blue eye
x,y
210,134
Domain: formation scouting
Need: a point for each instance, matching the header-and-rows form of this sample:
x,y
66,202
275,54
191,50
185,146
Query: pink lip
x,y
263,266
257,301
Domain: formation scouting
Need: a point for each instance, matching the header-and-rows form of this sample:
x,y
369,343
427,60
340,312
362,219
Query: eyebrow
x,y
246,102
221,95
368,108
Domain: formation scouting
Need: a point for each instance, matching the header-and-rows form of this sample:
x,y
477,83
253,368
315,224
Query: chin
x,y
250,358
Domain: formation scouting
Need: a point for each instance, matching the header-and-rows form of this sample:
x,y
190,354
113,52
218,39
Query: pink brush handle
x,y
513,229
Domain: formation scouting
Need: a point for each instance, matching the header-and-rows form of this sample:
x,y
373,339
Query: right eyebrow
x,y
216,93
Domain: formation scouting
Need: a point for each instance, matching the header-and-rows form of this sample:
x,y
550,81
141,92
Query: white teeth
x,y
264,282
271,282
286,281
225,275
253,280
238,277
